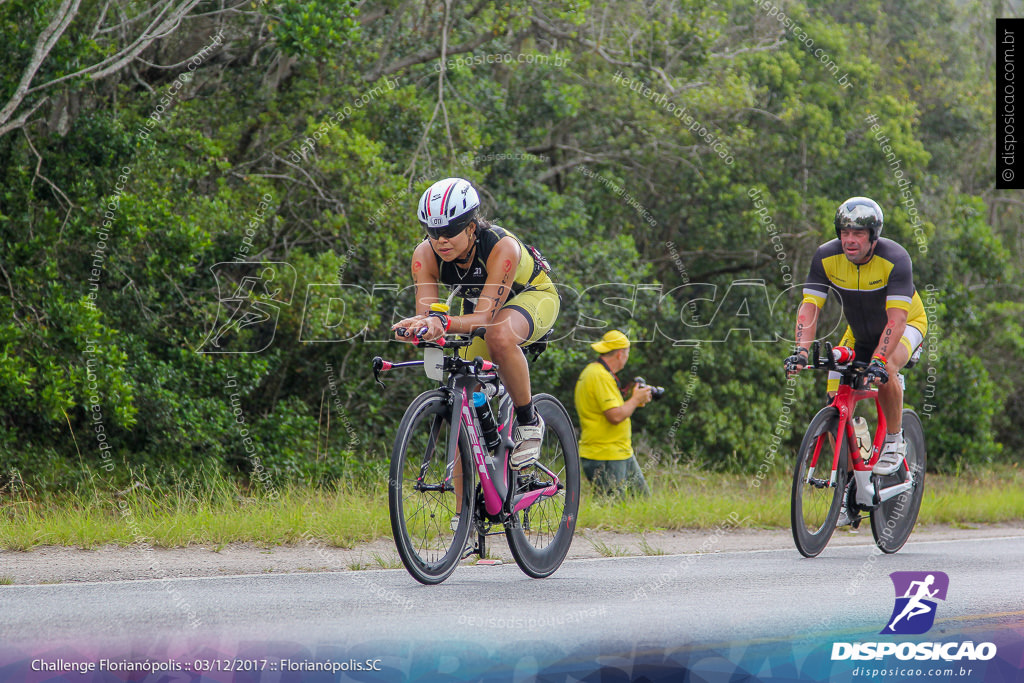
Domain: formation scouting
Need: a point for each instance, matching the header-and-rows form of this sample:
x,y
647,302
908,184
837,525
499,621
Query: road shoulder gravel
x,y
58,564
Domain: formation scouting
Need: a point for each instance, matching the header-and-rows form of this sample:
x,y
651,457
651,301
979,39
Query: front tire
x,y
893,520
540,535
422,503
815,506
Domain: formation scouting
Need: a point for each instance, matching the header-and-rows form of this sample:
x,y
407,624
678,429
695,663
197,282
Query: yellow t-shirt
x,y
596,392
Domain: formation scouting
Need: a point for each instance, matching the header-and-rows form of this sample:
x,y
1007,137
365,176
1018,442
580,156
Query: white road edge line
x,y
507,564
860,546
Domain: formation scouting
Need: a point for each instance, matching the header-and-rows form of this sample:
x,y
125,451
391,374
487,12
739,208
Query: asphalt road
x,y
589,609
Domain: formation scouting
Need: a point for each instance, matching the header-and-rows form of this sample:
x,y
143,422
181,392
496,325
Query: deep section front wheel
x,y
540,535
893,520
816,501
424,499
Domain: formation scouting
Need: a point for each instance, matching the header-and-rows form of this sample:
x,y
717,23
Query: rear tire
x,y
893,520
539,536
814,509
421,519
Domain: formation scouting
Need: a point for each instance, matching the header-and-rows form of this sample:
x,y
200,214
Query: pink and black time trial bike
x,y
441,513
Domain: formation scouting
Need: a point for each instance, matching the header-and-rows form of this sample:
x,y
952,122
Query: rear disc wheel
x,y
539,536
893,520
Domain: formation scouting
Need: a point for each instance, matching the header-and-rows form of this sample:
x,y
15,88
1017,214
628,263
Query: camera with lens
x,y
656,391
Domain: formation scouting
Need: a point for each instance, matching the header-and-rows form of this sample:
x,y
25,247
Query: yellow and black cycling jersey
x,y
529,275
533,292
867,290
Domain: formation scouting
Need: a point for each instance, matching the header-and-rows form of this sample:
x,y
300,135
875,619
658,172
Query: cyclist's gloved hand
x,y
796,362
876,372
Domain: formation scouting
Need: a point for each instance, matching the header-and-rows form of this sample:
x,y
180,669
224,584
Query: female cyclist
x,y
503,285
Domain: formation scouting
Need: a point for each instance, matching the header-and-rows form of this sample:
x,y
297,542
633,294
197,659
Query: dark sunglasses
x,y
448,232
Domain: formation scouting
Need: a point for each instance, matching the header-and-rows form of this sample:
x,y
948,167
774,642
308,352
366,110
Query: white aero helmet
x,y
447,207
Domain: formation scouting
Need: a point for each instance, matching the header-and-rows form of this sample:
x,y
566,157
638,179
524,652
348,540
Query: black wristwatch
x,y
446,321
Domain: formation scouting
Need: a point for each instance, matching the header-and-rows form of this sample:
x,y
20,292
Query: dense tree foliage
x,y
166,166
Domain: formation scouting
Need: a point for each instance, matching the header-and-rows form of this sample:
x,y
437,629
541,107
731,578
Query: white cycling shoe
x,y
528,442
894,451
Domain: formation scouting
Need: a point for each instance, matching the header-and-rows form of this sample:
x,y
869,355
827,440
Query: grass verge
x,y
215,512
210,511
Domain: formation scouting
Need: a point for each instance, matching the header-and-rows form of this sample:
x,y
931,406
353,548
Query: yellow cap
x,y
439,307
612,340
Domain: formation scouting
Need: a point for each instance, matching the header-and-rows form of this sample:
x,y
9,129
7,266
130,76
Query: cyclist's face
x,y
856,244
455,247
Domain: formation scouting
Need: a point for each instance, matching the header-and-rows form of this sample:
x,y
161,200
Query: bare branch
x,y
160,27
23,119
167,17
100,19
312,182
47,39
427,55
595,47
765,113
440,81
127,21
235,9
138,79
779,42
567,166
53,186
10,288
370,17
411,169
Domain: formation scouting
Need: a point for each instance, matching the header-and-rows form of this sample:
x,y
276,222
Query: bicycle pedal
x,y
855,524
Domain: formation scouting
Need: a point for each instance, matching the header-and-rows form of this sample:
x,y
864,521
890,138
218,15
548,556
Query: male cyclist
x,y
504,287
885,316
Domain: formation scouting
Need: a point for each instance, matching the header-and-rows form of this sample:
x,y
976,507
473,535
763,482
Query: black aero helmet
x,y
859,213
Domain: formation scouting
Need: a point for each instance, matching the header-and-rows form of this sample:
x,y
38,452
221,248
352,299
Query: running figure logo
x,y
250,297
916,592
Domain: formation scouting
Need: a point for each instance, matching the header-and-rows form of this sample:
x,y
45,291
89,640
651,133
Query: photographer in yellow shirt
x,y
606,449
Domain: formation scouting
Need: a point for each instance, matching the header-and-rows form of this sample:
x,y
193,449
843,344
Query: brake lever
x,y
380,365
863,384
830,361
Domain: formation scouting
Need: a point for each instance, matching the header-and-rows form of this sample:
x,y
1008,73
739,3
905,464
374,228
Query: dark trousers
x,y
616,477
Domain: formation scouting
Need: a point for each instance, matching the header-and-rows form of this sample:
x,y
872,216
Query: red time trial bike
x,y
832,451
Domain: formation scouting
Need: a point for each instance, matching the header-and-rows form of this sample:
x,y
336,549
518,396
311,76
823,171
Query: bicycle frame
x,y
493,472
845,401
